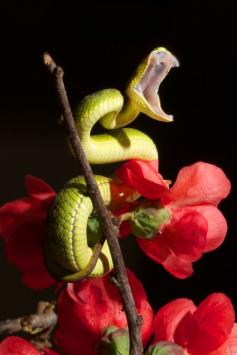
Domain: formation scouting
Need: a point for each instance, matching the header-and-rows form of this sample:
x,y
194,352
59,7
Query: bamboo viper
x,y
72,232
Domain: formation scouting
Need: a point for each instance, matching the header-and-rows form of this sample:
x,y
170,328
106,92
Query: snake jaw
x,y
144,88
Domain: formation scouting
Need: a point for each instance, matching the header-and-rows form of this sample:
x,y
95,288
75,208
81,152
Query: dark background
x,y
99,43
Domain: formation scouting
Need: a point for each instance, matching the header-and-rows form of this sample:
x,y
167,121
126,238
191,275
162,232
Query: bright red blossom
x,y
14,345
22,226
143,176
196,225
208,329
85,309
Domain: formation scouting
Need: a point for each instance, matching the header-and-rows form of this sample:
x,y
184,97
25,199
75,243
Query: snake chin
x,y
159,64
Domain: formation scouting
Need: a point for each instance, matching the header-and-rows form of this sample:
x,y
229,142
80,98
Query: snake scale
x,y
70,237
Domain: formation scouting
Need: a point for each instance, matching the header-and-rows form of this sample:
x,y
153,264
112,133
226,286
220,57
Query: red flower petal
x,y
124,228
230,346
143,307
182,329
178,267
186,234
143,177
38,189
16,213
217,226
14,345
210,325
197,184
206,330
158,251
121,196
79,318
24,249
100,293
22,225
182,242
169,316
156,248
37,278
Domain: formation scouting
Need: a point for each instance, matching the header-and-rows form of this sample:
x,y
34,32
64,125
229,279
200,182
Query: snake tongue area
x,y
158,65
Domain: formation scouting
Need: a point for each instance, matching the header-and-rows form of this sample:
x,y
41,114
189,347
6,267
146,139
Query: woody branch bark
x,y
39,324
110,228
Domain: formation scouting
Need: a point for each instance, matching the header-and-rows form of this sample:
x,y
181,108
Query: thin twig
x,y
10,326
44,319
111,231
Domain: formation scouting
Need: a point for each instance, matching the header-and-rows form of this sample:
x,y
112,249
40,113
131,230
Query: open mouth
x,y
159,64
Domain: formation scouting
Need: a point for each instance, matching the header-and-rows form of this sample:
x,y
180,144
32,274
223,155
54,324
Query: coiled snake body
x,y
68,245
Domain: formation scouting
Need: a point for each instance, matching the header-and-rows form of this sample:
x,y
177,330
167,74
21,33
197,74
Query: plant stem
x,y
39,324
110,228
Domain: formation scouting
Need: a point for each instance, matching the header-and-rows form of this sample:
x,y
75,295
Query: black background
x,y
99,43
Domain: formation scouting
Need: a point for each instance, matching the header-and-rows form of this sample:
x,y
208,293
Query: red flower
x,y
14,345
208,329
196,225
143,176
87,308
22,224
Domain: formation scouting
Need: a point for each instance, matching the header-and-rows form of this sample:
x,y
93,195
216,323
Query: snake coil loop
x,y
68,244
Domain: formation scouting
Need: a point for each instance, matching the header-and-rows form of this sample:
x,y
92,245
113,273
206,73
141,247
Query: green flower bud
x,y
115,341
146,221
165,348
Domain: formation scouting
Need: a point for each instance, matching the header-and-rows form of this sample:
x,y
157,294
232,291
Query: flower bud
x,y
146,221
165,348
115,341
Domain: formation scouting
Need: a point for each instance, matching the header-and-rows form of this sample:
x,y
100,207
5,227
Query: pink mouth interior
x,y
159,65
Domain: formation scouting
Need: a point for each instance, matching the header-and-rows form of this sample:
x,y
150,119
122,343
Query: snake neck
x,y
107,106
113,111
128,113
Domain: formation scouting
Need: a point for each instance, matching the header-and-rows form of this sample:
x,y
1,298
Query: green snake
x,y
68,246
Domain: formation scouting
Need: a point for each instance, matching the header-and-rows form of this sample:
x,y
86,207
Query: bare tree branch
x,y
110,229
39,324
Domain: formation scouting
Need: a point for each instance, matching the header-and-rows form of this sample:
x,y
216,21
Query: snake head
x,y
144,85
